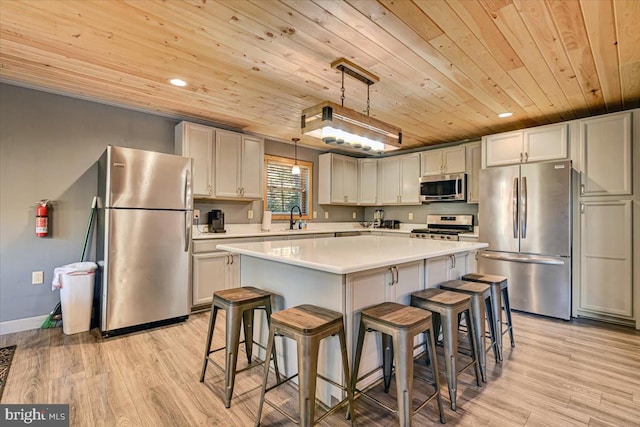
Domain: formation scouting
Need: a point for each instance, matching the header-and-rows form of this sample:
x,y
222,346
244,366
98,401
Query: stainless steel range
x,y
444,227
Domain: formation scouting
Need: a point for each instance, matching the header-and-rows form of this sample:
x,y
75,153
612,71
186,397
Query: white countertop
x,y
281,229
350,254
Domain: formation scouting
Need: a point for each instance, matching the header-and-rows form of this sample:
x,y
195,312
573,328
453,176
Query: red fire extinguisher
x,y
42,219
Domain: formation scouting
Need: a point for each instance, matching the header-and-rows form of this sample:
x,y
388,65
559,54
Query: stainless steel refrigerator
x,y
144,234
525,216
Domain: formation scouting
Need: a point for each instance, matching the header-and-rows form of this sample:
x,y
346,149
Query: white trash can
x,y
76,282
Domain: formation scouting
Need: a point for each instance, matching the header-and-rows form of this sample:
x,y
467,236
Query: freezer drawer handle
x,y
524,259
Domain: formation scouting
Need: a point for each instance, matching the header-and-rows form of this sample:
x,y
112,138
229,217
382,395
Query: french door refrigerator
x,y
525,217
144,235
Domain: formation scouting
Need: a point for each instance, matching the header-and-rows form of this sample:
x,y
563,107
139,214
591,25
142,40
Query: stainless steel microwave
x,y
444,188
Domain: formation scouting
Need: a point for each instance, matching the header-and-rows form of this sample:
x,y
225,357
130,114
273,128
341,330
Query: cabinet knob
x,y
210,189
520,157
581,188
526,156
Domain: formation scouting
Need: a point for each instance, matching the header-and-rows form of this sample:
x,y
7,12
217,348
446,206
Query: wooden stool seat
x,y
481,308
239,304
399,324
500,295
307,319
307,325
447,306
242,295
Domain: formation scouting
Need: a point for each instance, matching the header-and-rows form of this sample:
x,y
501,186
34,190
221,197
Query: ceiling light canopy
x,y
348,129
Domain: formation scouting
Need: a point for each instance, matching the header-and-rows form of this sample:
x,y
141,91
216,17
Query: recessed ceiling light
x,y
178,82
505,114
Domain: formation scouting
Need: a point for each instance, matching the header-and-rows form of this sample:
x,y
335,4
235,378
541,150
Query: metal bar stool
x,y
481,308
500,294
307,325
447,306
399,324
239,304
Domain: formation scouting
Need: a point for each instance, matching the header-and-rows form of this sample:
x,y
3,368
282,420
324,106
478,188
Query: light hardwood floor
x,y
578,373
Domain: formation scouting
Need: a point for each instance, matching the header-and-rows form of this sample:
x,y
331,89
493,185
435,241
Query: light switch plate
x,y
315,214
326,215
37,277
410,215
353,214
250,214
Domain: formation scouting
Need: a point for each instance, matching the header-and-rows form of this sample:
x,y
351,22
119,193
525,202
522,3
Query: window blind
x,y
284,190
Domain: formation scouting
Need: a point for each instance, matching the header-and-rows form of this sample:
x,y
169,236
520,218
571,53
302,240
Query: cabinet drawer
x,y
200,246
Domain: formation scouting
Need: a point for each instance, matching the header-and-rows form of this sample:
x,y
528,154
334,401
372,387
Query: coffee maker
x,y
216,221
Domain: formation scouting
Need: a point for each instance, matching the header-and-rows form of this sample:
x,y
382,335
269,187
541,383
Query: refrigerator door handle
x,y
188,198
529,259
523,210
187,229
514,208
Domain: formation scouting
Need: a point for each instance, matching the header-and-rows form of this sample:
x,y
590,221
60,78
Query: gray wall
x,y
48,148
401,213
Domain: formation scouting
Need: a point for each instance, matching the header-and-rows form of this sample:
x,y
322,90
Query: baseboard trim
x,y
19,325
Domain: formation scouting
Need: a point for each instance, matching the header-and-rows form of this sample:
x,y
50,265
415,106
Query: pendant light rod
x,y
295,170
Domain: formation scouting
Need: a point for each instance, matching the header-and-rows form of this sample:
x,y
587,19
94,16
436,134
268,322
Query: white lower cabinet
x,y
213,272
367,288
449,267
606,281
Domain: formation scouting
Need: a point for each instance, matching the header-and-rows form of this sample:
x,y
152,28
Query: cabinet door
x,y
605,257
431,162
197,143
437,271
389,170
367,181
337,179
458,266
473,172
209,276
545,143
233,272
409,278
605,145
350,179
252,167
454,160
410,179
504,148
227,164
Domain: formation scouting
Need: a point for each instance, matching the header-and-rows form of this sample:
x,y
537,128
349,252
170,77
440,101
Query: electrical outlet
x,y
37,277
410,215
315,214
326,215
353,214
250,214
196,214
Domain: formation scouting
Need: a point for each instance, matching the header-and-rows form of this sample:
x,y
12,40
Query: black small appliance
x,y
216,221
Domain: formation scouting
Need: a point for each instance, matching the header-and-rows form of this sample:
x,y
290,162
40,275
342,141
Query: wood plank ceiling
x,y
446,68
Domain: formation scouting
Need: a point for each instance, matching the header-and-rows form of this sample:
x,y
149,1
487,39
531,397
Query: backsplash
x,y
401,213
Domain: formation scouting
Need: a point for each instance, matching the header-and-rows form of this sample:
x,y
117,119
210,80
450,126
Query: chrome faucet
x,y
291,216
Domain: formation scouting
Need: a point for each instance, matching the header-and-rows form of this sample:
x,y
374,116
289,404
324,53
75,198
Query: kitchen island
x,y
344,274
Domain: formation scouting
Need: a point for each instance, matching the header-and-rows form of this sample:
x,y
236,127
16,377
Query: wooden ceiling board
x,y
446,67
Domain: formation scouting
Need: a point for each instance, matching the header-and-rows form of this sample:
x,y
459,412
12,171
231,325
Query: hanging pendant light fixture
x,y
345,128
295,170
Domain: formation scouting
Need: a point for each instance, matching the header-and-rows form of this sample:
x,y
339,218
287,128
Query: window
x,y
284,190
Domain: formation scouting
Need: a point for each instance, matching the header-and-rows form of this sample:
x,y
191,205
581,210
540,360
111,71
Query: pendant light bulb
x,y
295,170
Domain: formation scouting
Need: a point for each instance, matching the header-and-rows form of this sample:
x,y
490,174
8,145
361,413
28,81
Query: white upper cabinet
x,y
444,161
196,141
399,180
605,155
238,166
530,145
367,181
474,153
337,179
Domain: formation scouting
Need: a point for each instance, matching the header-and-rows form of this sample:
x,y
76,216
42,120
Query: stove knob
x,y
448,237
